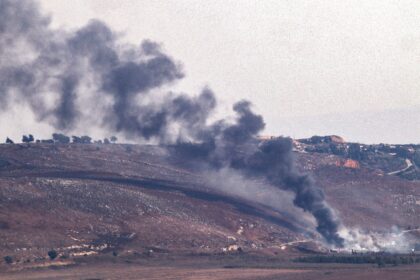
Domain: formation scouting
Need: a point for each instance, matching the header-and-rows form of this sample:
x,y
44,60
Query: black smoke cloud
x,y
39,64
273,160
236,146
60,63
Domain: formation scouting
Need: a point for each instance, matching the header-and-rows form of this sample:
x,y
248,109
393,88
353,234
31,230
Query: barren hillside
x,y
83,199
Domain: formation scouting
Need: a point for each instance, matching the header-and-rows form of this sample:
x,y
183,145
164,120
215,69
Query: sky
x,y
310,67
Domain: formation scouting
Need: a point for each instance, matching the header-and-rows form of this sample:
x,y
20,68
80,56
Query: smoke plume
x,y
87,77
236,146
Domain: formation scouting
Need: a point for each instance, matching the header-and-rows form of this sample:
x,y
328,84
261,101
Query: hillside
x,y
83,198
93,199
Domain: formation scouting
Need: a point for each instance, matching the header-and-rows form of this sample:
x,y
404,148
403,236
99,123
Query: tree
x,y
354,151
106,141
76,139
9,141
402,152
86,139
337,149
113,139
52,254
380,261
82,140
27,139
8,259
60,138
416,157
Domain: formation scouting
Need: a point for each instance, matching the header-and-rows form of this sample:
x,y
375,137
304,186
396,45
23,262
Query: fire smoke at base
x,y
393,241
73,79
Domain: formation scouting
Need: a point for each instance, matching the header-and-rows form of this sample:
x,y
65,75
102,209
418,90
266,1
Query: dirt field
x,y
136,272
102,271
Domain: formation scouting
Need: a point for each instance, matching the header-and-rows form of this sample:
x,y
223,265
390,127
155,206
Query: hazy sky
x,y
310,67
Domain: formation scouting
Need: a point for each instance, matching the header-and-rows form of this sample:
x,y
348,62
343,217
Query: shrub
x,y
8,259
52,254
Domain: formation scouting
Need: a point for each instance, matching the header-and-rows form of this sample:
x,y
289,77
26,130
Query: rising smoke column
x,y
88,72
236,146
274,161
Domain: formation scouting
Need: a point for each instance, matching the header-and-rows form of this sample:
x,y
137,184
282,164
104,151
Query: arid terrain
x,y
211,271
116,211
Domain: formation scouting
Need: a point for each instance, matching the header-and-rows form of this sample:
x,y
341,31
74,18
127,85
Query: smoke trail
x,y
70,78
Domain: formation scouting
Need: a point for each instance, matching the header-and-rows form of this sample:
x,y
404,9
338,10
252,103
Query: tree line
x,y
59,138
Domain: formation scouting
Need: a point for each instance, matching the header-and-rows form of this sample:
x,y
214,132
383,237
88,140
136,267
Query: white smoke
x,y
233,183
393,241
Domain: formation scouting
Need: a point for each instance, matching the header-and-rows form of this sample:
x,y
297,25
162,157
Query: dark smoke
x,y
274,161
64,64
89,74
235,146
